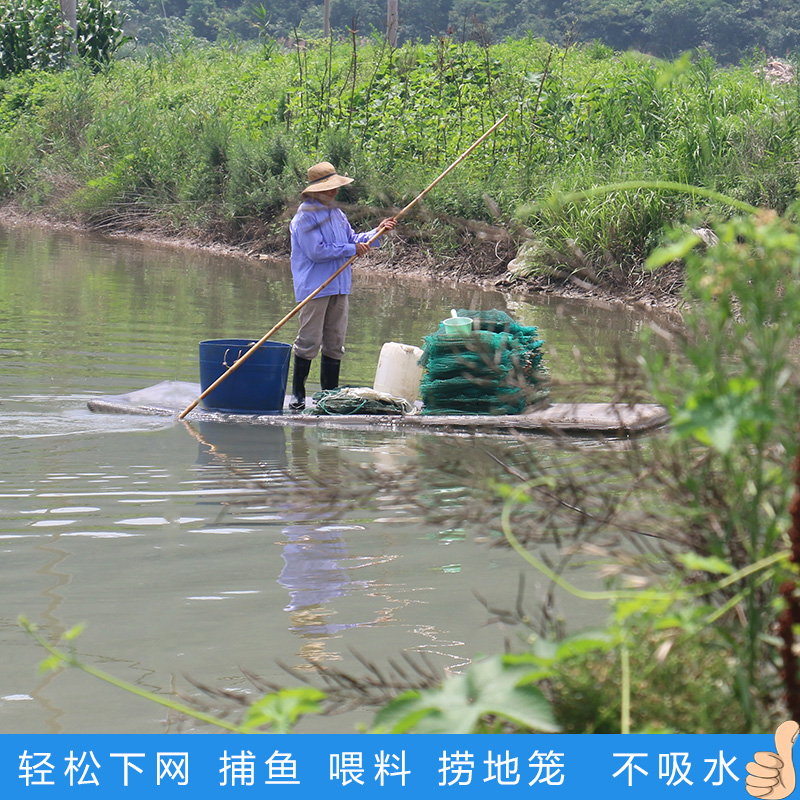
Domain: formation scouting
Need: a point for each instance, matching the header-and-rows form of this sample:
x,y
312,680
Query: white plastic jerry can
x,y
398,372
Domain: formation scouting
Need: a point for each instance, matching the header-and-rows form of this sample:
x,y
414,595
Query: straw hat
x,y
323,176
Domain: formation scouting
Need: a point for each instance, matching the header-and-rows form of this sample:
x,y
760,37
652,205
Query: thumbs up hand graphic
x,y
771,776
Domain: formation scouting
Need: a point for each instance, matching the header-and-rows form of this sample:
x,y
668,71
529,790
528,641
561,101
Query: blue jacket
x,y
322,240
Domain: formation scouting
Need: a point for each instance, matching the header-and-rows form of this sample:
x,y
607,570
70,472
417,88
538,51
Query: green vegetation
x,y
33,35
727,28
737,388
217,140
713,593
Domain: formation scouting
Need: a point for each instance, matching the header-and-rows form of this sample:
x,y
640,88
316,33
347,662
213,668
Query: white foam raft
x,y
169,398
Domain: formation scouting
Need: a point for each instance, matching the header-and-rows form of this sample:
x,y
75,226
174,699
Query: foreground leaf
x,y
488,688
281,710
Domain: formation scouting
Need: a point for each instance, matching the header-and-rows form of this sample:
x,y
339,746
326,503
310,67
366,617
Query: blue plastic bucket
x,y
258,386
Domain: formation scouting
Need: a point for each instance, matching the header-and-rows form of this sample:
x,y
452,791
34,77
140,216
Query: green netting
x,y
353,400
496,369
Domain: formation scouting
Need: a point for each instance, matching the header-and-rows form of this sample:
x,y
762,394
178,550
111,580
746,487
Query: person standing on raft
x,y
322,241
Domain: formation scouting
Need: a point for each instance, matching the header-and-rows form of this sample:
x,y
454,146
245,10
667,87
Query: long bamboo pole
x,y
239,361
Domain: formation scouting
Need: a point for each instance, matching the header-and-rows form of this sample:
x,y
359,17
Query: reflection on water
x,y
313,572
328,568
200,548
246,445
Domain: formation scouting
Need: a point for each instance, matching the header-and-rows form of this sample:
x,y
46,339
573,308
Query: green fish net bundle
x,y
353,400
495,369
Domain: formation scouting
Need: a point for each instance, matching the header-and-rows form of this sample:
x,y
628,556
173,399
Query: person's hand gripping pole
x,y
771,776
389,224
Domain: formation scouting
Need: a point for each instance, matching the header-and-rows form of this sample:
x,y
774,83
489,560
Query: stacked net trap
x,y
495,369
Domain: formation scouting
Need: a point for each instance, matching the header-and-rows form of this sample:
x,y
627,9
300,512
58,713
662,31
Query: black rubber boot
x,y
329,373
301,368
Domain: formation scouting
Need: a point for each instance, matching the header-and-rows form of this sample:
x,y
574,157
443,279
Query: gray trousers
x,y
323,323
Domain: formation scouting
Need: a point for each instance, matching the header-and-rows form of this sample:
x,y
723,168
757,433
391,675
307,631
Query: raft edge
x,y
611,419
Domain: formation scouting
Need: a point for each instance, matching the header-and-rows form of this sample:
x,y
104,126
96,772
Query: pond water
x,y
205,549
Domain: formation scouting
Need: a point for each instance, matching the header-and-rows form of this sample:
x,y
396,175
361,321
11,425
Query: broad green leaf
x,y
715,417
402,714
281,710
488,687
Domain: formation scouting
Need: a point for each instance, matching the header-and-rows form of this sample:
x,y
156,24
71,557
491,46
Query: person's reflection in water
x,y
315,556
315,570
313,576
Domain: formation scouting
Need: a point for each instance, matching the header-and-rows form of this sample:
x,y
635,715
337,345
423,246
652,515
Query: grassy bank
x,y
215,141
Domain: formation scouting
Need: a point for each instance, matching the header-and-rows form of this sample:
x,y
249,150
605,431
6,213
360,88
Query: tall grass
x,y
201,136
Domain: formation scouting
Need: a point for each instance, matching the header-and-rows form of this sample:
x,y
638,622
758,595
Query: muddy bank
x,y
474,253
